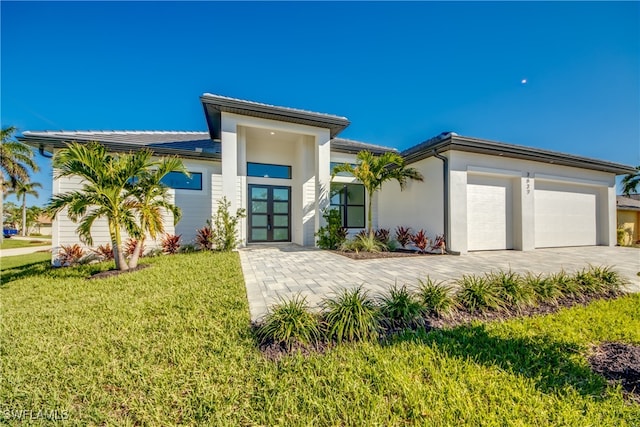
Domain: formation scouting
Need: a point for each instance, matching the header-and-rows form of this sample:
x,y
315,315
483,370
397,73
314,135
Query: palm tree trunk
x,y
116,242
370,216
24,215
137,253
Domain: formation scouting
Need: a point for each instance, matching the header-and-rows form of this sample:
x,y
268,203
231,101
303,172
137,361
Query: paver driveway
x,y
272,272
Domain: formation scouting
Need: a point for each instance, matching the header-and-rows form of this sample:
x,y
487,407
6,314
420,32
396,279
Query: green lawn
x,y
171,344
13,243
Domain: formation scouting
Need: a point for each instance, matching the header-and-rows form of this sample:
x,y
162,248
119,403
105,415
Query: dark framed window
x,y
264,170
334,164
349,199
180,181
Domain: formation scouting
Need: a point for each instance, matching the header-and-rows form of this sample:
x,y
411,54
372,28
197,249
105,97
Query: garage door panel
x,y
489,216
565,218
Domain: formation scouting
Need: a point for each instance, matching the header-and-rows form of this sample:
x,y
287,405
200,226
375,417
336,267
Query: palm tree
x,y
16,159
21,189
151,197
373,171
107,179
631,182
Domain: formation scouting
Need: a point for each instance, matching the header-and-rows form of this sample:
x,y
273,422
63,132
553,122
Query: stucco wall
x,y
630,222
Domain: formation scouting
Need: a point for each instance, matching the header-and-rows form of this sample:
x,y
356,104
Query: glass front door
x,y
269,213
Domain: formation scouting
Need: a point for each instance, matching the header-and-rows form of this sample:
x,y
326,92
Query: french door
x,y
269,213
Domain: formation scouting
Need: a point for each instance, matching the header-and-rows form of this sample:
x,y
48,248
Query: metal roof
x,y
451,141
627,203
195,145
218,103
350,146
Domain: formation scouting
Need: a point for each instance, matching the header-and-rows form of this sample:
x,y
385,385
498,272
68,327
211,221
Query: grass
x,y
14,243
171,344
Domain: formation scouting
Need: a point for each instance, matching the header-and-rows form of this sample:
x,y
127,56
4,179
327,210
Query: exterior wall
x,y
195,205
630,222
525,176
419,206
306,149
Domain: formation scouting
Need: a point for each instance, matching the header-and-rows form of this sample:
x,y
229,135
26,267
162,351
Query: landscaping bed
x,y
382,254
620,364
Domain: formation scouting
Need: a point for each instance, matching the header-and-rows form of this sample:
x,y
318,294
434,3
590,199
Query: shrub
x,y
225,226
439,243
544,288
400,308
188,248
382,235
104,252
565,283
69,255
476,293
587,283
171,243
515,291
611,279
204,237
333,234
351,316
130,247
420,240
364,243
403,236
436,297
288,323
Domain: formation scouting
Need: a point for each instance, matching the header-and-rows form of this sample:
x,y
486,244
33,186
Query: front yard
x,y
172,344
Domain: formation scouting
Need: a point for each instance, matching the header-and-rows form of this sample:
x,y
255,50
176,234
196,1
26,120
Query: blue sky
x,y
401,72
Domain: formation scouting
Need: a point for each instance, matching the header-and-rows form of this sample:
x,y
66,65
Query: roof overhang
x,y
214,105
50,143
453,142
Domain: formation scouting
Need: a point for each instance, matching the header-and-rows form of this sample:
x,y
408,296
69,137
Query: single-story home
x,y
629,218
276,162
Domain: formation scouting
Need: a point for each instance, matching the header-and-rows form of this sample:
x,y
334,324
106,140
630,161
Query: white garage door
x,y
565,217
489,213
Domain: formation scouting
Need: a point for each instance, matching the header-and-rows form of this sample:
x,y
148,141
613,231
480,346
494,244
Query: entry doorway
x,y
269,213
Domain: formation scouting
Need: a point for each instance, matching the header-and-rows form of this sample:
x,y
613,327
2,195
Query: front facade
x,y
276,163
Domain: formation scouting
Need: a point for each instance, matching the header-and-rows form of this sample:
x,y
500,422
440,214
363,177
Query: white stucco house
x,y
276,162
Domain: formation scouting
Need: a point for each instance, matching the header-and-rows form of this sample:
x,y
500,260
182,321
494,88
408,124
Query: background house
x,y
628,209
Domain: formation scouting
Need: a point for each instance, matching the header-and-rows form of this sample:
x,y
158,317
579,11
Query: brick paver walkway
x,y
273,272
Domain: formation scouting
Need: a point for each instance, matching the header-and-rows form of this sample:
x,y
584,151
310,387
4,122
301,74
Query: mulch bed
x,y
377,255
619,363
113,273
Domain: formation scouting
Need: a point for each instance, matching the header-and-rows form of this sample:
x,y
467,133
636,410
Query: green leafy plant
x,y
171,243
403,236
333,234
565,283
70,255
544,288
611,280
290,322
363,243
436,297
515,291
420,240
351,316
400,308
477,294
225,226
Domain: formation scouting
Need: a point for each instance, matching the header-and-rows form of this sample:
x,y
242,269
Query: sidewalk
x,y
23,251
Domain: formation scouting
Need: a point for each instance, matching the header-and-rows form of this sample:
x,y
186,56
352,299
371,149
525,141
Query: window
x,y
334,164
263,170
349,199
180,181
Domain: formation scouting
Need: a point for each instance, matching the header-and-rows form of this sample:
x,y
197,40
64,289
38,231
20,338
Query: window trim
x,y
346,205
269,164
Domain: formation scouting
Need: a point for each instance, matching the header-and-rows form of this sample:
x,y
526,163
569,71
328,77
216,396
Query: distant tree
x,y
373,171
16,159
11,214
631,182
21,189
33,217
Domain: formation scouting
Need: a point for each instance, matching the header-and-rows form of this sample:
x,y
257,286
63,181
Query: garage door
x,y
489,213
565,217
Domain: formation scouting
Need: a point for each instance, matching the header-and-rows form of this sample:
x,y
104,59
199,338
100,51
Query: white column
x,y
323,174
528,221
229,160
458,238
610,220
